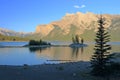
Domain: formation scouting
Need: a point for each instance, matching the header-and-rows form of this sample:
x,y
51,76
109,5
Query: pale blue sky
x,y
25,15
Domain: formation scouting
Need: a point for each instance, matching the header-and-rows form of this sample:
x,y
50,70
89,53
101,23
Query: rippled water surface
x,y
32,56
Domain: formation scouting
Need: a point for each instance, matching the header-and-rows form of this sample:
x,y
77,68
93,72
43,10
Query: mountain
x,y
10,35
82,24
7,32
12,38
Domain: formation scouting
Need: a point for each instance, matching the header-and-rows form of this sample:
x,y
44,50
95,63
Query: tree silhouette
x,y
75,39
82,41
101,59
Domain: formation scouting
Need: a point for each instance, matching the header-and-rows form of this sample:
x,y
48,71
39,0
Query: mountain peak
x,y
8,32
75,23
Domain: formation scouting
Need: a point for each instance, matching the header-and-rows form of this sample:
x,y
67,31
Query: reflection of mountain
x,y
61,53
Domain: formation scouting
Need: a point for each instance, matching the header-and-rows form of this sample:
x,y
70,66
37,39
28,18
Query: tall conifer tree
x,y
100,59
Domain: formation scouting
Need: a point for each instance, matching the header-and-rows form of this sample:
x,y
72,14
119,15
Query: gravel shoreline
x,y
63,71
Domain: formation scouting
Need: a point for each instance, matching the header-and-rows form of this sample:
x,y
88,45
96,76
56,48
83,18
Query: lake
x,y
51,55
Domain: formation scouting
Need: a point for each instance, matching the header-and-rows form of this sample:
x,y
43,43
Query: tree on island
x,y
73,40
76,39
14,39
82,40
100,60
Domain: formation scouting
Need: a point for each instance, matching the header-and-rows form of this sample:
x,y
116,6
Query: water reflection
x,y
64,54
20,56
58,53
34,49
76,52
82,50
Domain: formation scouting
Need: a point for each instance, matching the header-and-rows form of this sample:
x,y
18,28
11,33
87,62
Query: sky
x,y
25,15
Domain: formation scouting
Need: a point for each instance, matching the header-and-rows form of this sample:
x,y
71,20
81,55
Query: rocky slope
x,y
83,24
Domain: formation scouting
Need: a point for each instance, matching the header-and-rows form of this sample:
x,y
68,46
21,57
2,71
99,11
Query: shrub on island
x,y
33,42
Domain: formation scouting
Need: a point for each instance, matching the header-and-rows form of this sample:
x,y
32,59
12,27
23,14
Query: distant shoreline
x,y
57,45
38,46
14,41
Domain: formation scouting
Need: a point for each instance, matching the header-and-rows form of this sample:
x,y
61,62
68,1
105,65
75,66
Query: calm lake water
x,y
33,56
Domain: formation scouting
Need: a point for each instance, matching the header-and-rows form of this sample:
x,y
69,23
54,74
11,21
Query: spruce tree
x,y
77,39
100,58
73,40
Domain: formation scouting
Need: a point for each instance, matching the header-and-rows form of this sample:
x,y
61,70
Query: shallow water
x,y
32,56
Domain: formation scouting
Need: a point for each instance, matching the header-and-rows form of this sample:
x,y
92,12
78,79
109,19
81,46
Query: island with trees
x,y
77,43
40,43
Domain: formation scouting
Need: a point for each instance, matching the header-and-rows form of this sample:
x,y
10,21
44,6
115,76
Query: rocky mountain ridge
x,y
82,24
8,32
77,23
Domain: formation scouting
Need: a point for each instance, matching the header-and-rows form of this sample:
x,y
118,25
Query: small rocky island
x,y
76,42
34,43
